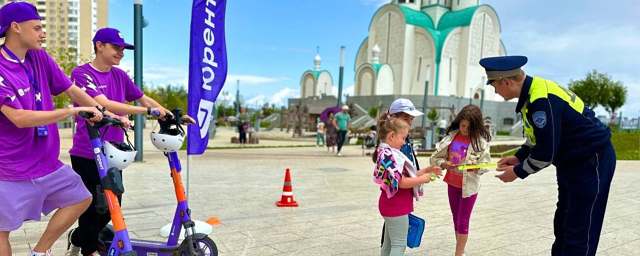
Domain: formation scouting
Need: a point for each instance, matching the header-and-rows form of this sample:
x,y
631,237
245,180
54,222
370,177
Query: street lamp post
x,y
424,116
138,24
238,98
341,74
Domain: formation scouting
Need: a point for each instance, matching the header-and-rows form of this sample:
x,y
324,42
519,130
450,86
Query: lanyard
x,y
32,79
42,131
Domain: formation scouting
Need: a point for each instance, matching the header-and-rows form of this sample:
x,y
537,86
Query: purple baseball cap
x,y
16,12
111,36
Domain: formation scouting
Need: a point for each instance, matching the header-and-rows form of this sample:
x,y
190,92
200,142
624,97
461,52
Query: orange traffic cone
x,y
287,193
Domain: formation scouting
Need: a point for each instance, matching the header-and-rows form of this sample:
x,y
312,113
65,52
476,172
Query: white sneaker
x,y
46,253
72,250
339,154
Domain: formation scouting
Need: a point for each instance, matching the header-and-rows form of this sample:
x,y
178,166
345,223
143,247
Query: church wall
x,y
388,31
402,47
463,4
482,45
449,65
407,63
384,83
307,85
423,62
324,84
364,81
463,61
363,54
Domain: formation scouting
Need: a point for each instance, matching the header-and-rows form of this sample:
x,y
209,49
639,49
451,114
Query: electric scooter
x,y
114,240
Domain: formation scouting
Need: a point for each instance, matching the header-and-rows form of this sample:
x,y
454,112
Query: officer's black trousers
x,y
583,189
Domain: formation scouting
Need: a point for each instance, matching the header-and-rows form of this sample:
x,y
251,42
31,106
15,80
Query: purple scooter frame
x,y
194,244
111,181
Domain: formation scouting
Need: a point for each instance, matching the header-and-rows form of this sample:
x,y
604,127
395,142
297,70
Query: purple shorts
x,y
25,200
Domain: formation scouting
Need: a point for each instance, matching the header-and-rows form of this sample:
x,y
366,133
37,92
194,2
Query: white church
x,y
440,41
411,42
316,82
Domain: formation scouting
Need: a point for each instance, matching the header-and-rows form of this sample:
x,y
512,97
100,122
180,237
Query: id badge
x,y
42,131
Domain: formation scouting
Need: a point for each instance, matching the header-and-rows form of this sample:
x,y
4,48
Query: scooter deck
x,y
151,248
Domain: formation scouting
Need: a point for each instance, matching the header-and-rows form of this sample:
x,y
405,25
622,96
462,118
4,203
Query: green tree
x,y
231,112
266,110
594,89
220,111
599,89
433,115
152,93
373,111
66,60
615,100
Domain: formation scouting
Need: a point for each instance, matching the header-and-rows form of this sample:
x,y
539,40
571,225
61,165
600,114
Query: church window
x,y
450,68
419,67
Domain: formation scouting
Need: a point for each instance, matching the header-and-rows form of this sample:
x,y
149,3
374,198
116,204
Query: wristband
x,y
148,110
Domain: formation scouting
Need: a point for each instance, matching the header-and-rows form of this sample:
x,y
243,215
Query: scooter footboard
x,y
151,248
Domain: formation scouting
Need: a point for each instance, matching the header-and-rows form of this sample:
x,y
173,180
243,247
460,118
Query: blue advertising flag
x,y
207,69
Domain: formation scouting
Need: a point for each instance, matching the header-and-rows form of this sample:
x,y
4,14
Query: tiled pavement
x,y
338,212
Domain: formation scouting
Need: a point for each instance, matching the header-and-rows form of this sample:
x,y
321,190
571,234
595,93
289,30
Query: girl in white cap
x,y
404,110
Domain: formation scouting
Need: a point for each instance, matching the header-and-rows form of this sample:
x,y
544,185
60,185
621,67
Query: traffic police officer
x,y
562,131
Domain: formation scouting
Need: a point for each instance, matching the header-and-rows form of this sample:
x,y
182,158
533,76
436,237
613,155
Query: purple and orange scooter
x,y
114,240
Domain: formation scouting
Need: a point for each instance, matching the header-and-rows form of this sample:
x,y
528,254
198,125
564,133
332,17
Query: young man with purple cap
x,y
562,131
403,109
32,179
111,87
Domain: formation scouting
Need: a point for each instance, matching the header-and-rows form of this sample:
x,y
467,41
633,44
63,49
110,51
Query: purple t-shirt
x,y
24,154
114,84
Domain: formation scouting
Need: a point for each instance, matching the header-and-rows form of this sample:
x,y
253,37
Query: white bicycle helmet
x,y
166,142
116,157
171,135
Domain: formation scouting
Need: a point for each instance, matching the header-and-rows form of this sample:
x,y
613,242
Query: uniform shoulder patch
x,y
540,119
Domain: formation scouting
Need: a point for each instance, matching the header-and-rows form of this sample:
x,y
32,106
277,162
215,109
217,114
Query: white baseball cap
x,y
345,107
404,105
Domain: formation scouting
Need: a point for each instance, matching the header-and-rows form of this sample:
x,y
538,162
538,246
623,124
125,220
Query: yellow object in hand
x,y
477,166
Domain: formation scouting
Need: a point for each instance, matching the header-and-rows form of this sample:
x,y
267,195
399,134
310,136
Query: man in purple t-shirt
x,y
112,88
32,179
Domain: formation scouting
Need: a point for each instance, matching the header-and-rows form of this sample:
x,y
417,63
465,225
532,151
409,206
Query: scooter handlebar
x,y
106,120
86,115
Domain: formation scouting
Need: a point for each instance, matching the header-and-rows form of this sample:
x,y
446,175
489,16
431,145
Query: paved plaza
x,y
338,213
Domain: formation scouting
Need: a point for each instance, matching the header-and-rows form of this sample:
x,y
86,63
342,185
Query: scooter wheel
x,y
203,247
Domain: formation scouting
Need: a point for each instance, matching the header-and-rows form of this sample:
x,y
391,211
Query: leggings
x,y
461,209
395,235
